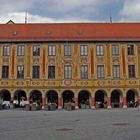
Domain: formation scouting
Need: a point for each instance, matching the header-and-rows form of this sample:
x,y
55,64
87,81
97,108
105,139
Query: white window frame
x,y
83,50
100,71
20,50
84,71
116,71
51,50
67,72
99,50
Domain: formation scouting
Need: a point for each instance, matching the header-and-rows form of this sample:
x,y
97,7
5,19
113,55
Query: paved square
x,y
114,124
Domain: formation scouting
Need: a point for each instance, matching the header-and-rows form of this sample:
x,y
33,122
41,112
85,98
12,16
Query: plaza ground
x,y
113,124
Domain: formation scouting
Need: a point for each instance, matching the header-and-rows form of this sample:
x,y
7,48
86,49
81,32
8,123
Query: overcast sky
x,y
49,11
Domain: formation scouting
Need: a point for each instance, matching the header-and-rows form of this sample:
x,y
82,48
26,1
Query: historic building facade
x,y
98,62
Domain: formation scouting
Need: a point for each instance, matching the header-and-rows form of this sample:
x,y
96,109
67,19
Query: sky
x,y
55,11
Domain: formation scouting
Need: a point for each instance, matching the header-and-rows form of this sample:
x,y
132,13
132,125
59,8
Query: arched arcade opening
x,y
132,98
5,98
19,98
100,99
83,99
5,95
68,97
36,97
52,97
116,99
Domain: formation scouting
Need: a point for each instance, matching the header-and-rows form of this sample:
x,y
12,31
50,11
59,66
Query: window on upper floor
x,y
20,72
6,50
36,72
84,72
83,50
99,50
100,71
116,71
115,50
67,72
51,50
51,72
36,50
131,71
20,50
67,50
130,49
5,71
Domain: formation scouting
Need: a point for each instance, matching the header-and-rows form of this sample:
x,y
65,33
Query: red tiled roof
x,y
71,32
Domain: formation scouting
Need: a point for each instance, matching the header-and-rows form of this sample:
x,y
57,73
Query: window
x,y
84,72
20,50
100,71
36,71
131,71
5,71
67,50
6,50
67,72
52,50
116,71
51,72
130,49
115,50
36,50
20,72
99,50
84,50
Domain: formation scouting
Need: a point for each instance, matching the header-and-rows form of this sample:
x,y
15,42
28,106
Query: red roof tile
x,y
70,31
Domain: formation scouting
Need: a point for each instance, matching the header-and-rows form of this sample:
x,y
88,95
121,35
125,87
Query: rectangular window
x,y
51,50
131,71
6,50
20,72
130,49
67,72
115,50
116,71
84,72
36,72
20,50
99,50
83,50
5,71
36,50
67,50
51,72
100,71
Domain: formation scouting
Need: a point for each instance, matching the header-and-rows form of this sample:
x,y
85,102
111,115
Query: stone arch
x,y
19,97
67,96
5,95
116,98
36,96
132,98
100,99
83,98
52,97
18,94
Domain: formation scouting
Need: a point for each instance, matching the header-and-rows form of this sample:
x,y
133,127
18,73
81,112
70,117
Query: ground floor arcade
x,y
94,98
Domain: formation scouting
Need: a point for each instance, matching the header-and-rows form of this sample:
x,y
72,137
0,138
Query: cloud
x,y
55,10
19,17
130,11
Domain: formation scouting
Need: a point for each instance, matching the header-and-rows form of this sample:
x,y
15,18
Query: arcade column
x,y
108,102
124,102
92,102
59,102
76,101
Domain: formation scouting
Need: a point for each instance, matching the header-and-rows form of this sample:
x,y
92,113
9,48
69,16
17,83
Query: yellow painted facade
x,y
92,85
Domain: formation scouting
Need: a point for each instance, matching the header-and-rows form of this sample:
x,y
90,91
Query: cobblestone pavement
x,y
114,124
